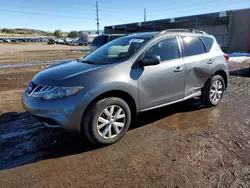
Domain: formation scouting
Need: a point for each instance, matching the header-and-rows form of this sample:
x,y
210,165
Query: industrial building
x,y
92,32
230,28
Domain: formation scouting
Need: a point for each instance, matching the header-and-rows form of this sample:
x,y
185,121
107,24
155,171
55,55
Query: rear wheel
x,y
213,91
107,121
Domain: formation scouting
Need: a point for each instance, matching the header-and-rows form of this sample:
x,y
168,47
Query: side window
x,y
208,42
167,49
192,46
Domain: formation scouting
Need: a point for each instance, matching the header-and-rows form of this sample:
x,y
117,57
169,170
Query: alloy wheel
x,y
216,91
111,121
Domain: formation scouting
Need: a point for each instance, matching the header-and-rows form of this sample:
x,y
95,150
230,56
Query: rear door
x,y
198,67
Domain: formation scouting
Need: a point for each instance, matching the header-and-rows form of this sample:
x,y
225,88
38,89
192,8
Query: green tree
x,y
5,30
58,33
73,34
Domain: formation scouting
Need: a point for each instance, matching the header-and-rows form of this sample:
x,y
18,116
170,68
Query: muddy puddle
x,y
182,145
87,51
24,140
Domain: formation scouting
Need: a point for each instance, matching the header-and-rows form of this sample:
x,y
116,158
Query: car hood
x,y
65,72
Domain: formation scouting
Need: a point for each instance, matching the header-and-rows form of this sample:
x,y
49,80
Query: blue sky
x,y
70,15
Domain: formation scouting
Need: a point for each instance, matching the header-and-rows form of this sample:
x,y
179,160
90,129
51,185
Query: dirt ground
x,y
182,145
35,52
22,53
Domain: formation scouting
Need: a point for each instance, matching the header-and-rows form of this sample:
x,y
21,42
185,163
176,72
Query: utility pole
x,y
97,17
145,14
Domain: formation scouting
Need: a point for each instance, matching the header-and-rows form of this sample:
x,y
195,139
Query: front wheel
x,y
213,91
107,121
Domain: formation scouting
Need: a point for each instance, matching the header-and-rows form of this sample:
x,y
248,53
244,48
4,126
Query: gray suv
x,y
100,94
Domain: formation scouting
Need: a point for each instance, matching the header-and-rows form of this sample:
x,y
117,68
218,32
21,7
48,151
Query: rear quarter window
x,y
208,42
192,46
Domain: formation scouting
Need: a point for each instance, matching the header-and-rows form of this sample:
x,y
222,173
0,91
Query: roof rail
x,y
199,31
182,30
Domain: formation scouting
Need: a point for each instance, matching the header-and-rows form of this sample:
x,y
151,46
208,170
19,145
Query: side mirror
x,y
148,60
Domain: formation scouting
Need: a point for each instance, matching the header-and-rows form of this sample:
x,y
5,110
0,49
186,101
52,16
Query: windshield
x,y
118,50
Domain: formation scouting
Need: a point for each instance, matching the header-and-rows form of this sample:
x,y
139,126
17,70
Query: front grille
x,y
35,89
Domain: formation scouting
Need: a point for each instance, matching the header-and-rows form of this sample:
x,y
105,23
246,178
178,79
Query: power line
x,y
73,3
59,16
111,17
116,11
190,8
159,6
43,14
176,7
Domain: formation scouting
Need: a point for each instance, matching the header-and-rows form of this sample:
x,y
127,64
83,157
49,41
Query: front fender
x,y
92,94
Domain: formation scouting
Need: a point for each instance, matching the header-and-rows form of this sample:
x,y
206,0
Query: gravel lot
x,y
35,52
182,145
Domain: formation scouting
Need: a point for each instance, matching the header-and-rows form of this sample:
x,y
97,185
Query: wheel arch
x,y
115,93
223,74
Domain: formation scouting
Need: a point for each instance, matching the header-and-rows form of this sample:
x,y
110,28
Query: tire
x,y
209,87
95,113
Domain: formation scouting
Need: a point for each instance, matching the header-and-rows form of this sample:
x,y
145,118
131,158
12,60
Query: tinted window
x,y
192,46
113,37
208,42
100,40
167,49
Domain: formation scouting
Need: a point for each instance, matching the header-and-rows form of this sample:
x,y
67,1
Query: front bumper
x,y
50,123
63,113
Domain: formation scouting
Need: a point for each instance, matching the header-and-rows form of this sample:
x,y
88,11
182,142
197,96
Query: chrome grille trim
x,y
44,88
40,90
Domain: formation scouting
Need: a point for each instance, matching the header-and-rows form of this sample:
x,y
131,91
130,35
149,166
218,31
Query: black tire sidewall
x,y
206,91
96,111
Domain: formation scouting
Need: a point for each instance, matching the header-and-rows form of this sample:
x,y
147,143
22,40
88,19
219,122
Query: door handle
x,y
178,69
209,61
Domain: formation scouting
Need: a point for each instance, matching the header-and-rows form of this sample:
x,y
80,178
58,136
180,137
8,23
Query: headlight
x,y
62,92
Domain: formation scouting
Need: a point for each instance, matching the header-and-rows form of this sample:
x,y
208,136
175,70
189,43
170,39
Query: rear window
x,y
192,46
208,42
100,40
113,37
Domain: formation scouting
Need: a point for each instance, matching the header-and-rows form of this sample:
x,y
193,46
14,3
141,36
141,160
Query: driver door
x,y
163,83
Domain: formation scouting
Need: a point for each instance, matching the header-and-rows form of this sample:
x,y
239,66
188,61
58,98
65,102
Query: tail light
x,y
226,57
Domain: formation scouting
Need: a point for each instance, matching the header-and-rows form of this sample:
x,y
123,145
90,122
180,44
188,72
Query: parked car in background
x,y
23,39
51,41
78,42
103,39
100,94
60,41
74,42
7,40
68,40
82,42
